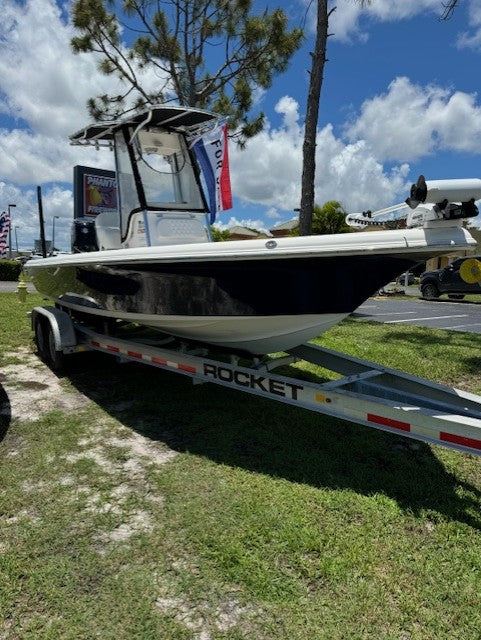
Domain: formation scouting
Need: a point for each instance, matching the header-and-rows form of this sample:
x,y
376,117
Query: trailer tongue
x,y
367,393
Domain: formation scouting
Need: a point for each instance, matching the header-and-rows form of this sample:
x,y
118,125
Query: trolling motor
x,y
431,200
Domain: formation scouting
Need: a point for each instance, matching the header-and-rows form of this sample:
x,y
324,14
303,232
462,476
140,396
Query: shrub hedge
x,y
10,269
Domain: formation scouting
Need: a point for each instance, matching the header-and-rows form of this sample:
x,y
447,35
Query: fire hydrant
x,y
22,291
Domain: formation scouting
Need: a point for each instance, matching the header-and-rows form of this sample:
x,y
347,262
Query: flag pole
x,y
40,218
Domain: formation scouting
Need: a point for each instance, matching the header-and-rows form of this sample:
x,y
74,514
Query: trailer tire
x,y
40,338
45,343
55,359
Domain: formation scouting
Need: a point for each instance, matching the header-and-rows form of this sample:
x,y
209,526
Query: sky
x,y
400,97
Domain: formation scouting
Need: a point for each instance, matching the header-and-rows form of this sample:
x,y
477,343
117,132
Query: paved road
x,y
456,316
8,287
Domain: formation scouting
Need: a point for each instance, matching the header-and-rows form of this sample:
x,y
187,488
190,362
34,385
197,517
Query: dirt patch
x,y
139,452
96,454
33,389
125,457
137,522
204,620
122,456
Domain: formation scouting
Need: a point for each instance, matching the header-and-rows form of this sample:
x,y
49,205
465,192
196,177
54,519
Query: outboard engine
x,y
84,237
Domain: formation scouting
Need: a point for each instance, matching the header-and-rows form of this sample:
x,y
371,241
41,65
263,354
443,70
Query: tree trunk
x,y
312,114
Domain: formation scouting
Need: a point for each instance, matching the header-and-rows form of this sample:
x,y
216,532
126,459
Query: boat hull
x,y
250,305
239,295
254,334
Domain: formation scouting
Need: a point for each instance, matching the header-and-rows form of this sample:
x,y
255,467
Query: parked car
x,y
447,280
402,278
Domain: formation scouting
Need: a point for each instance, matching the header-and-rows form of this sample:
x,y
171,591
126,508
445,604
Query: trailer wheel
x,y
55,359
40,338
45,343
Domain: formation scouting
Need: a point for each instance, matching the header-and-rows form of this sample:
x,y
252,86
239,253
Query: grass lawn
x,y
134,505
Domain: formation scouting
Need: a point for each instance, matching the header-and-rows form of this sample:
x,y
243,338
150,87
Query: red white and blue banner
x,y
4,229
213,156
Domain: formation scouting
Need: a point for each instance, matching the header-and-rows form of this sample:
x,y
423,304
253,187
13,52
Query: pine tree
x,y
210,54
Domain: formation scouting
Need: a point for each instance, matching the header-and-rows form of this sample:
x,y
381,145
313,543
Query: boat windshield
x,y
165,169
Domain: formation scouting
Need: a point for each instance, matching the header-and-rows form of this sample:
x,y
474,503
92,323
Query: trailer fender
x,y
60,323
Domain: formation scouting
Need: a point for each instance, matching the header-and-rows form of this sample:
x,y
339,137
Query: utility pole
x,y
41,222
53,233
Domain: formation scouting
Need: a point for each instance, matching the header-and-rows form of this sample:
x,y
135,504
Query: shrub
x,y
10,269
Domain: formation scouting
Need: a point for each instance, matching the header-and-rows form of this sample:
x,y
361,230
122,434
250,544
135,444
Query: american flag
x,y
4,228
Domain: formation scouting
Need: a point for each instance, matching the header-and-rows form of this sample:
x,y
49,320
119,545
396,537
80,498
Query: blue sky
x,y
400,98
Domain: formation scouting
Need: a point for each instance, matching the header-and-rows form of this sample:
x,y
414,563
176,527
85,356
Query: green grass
x,y
470,297
270,522
15,328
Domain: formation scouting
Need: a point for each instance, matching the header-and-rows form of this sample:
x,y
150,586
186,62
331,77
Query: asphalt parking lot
x,y
438,314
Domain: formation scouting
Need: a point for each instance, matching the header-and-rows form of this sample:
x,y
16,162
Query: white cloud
x,y
249,223
410,121
345,21
351,21
44,85
28,158
289,108
471,37
273,214
56,201
268,171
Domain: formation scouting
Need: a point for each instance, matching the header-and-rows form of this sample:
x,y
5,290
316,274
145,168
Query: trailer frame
x,y
366,393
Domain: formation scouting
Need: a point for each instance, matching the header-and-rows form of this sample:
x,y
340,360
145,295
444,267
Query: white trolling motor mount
x,y
429,201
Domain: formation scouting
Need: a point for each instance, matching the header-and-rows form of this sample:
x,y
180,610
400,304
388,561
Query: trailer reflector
x,y
389,422
184,367
472,443
175,365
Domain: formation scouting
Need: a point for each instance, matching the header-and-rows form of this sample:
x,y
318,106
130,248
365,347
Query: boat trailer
x,y
367,393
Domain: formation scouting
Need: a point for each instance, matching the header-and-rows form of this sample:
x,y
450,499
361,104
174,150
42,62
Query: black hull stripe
x,y
227,288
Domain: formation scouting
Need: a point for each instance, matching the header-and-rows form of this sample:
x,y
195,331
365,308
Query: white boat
x,y
157,266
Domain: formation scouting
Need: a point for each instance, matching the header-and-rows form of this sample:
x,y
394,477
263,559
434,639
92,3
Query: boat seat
x,y
164,228
108,230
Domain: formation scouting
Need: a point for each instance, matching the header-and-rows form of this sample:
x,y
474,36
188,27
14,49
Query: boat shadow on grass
x,y
430,335
276,439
